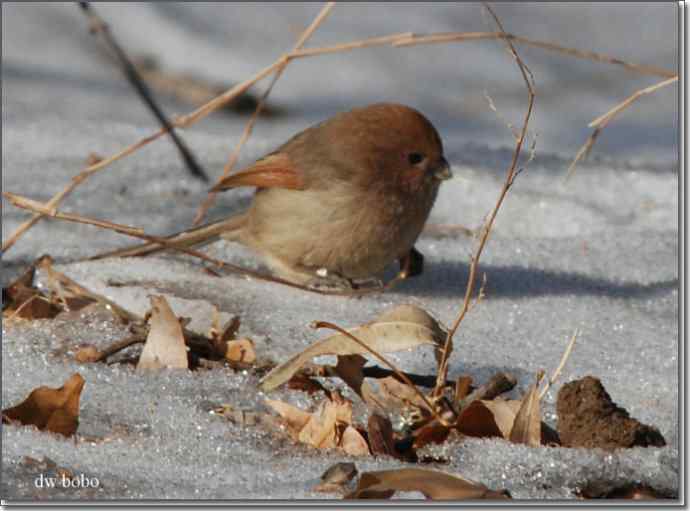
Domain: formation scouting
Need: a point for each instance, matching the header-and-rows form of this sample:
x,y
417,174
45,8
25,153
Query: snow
x,y
598,253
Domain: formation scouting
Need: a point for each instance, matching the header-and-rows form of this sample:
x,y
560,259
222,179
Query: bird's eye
x,y
415,158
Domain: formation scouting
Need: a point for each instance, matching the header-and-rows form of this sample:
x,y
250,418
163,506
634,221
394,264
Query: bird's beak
x,y
442,172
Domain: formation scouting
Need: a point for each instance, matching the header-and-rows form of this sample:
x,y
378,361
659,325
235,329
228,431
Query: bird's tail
x,y
192,237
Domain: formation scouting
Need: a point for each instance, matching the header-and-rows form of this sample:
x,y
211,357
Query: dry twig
x,y
395,40
447,37
486,229
132,75
602,121
561,364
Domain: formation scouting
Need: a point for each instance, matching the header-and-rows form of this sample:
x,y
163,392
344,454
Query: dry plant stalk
x,y
602,121
486,229
395,40
561,364
447,37
99,26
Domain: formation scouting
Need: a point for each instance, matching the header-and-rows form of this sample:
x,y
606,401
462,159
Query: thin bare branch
x,y
606,118
99,26
510,174
561,364
23,202
447,37
602,121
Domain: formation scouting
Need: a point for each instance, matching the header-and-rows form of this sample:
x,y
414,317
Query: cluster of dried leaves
x,y
421,417
450,408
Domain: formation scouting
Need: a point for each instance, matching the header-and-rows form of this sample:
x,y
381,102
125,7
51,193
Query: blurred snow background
x,y
599,253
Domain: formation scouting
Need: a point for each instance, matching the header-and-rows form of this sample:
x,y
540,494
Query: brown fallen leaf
x,y
305,384
330,426
320,431
462,389
336,477
489,418
399,396
399,329
21,299
296,418
349,369
353,443
241,350
527,426
434,485
165,345
381,438
87,353
55,410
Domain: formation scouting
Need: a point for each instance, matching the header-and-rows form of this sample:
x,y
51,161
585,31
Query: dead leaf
x,y
431,432
241,350
296,418
220,336
402,328
527,426
340,473
462,389
55,410
381,438
21,299
353,443
326,428
349,369
489,418
399,395
87,353
305,384
320,430
434,485
165,345
336,477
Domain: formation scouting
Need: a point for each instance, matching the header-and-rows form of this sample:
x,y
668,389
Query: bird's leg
x,y
411,264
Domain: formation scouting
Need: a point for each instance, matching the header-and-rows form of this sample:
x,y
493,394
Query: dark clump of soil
x,y
587,417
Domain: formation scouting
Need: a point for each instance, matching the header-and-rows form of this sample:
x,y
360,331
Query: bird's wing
x,y
274,171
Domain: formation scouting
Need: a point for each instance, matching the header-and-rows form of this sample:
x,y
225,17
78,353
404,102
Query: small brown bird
x,y
339,201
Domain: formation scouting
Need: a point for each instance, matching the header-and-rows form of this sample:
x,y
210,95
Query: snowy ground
x,y
599,253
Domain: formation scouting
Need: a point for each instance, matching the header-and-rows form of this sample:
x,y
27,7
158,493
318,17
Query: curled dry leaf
x,y
401,328
328,427
241,350
527,426
381,437
50,409
434,485
349,369
484,418
295,418
336,477
165,345
399,395
21,299
353,443
87,353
